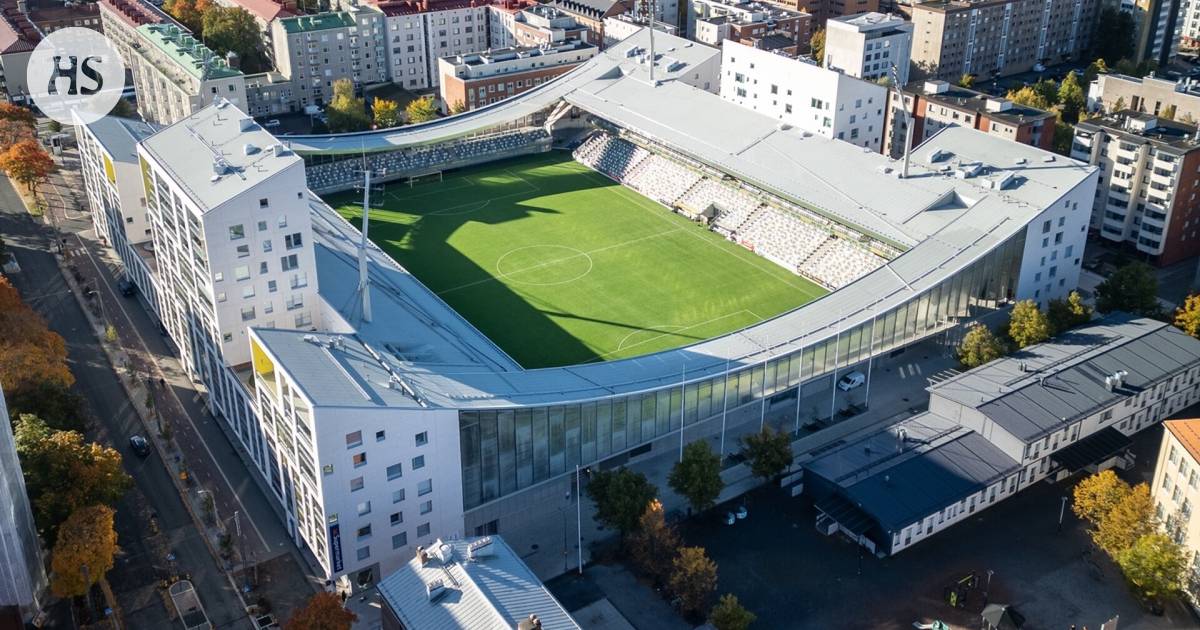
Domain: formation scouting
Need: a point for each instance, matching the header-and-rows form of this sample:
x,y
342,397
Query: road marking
x,y
171,390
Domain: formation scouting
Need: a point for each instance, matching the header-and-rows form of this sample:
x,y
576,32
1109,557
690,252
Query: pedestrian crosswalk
x,y
910,370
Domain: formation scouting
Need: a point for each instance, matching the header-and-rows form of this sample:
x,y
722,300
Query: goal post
x,y
424,178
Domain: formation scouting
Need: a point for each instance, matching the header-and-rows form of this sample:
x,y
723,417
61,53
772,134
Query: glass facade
x,y
507,450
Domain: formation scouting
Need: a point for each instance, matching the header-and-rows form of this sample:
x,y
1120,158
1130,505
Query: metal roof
x,y
1040,389
119,136
494,591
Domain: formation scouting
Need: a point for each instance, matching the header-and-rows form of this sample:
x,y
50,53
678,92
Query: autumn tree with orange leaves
x,y
28,163
323,611
30,353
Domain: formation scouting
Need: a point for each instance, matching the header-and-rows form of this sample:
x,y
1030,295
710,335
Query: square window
x,y
364,508
262,268
422,438
262,203
267,245
425,487
422,530
271,286
399,540
236,232
364,532
396,518
426,507
247,292
418,462
262,226
398,495
241,273
356,484
243,251
360,459
364,552
353,439
379,435
394,472
217,277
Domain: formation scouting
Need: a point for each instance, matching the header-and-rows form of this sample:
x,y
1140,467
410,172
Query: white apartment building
x,y
23,583
1175,489
176,75
869,45
803,94
417,39
316,50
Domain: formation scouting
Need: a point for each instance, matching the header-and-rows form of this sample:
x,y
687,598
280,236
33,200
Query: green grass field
x,y
558,264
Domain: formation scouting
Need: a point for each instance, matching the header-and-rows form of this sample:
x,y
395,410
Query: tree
x,y
346,112
84,551
1068,313
1094,70
817,43
979,346
693,579
1048,90
233,29
654,543
697,475
28,163
769,452
621,497
1131,518
1113,37
1132,288
17,114
30,353
1167,113
421,110
63,473
12,132
458,107
1064,137
1154,564
123,109
966,81
1071,97
386,113
1028,324
323,611
1096,495
1029,97
59,407
728,614
1187,317
190,13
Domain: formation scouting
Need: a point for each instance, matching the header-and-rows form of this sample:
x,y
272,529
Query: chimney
x,y
422,556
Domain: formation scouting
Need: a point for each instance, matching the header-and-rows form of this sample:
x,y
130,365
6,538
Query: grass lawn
x,y
558,264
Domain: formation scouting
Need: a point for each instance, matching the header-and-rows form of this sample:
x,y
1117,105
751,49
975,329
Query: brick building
x,y
481,79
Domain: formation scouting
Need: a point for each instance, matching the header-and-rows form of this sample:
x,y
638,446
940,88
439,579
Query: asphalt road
x,y
154,497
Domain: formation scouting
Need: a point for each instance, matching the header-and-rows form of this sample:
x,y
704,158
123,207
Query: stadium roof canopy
x,y
967,193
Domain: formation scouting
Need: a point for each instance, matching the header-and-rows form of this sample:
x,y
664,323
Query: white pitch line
x,y
673,332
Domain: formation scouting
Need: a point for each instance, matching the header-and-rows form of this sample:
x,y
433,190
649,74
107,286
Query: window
x,y
353,439
379,435
217,277
394,472
271,286
267,246
221,297
364,508
283,221
262,226
262,203
247,313
289,262
243,251
364,552
364,532
303,320
356,484
360,459
418,462
422,530
396,518
241,273
425,487
399,540
237,232
422,438
397,495
292,241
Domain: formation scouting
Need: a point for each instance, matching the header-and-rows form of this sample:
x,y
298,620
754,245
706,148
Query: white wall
x,y
805,95
865,54
1054,243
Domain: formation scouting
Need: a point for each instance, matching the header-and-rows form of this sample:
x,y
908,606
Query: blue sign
x,y
335,547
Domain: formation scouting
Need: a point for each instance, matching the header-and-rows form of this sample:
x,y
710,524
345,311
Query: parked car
x,y
127,288
140,446
852,380
271,124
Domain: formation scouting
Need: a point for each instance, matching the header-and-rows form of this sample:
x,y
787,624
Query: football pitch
x,y
558,264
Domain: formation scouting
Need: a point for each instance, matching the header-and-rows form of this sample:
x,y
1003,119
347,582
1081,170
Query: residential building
x,y
1159,28
18,37
1189,36
418,34
1149,170
755,24
1066,405
502,21
590,14
316,50
49,16
869,46
471,81
622,25
824,10
454,585
992,38
176,75
120,19
800,93
543,24
23,580
933,105
1175,489
1148,95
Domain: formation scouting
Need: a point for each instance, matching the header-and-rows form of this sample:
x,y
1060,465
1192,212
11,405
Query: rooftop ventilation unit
x,y
938,155
435,589
482,548
968,170
249,149
442,551
245,123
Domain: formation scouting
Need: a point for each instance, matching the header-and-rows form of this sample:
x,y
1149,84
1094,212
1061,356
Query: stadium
x,y
611,264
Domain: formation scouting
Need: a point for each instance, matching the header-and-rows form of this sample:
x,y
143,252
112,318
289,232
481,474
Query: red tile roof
x,y
133,12
267,10
17,33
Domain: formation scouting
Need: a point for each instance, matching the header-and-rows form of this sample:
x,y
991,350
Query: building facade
x,y
1159,30
590,14
755,24
804,94
314,51
934,105
1175,489
1180,98
419,35
992,38
1149,169
869,46
23,581
175,74
823,10
471,81
18,37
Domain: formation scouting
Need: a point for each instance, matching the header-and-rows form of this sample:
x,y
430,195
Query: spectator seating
x,y
733,205
782,237
839,262
661,179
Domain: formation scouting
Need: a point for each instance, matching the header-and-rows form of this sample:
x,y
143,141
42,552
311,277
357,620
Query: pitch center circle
x,y
544,265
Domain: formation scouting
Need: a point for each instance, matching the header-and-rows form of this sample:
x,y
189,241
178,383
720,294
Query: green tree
x,y
1113,35
621,497
1029,97
1155,565
233,29
84,551
817,44
1094,70
1131,518
458,107
697,476
421,110
1068,313
1028,324
123,109
693,579
64,473
979,346
386,113
1071,98
1064,136
1132,288
769,452
1048,90
59,407
1096,495
346,112
654,542
966,81
728,614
